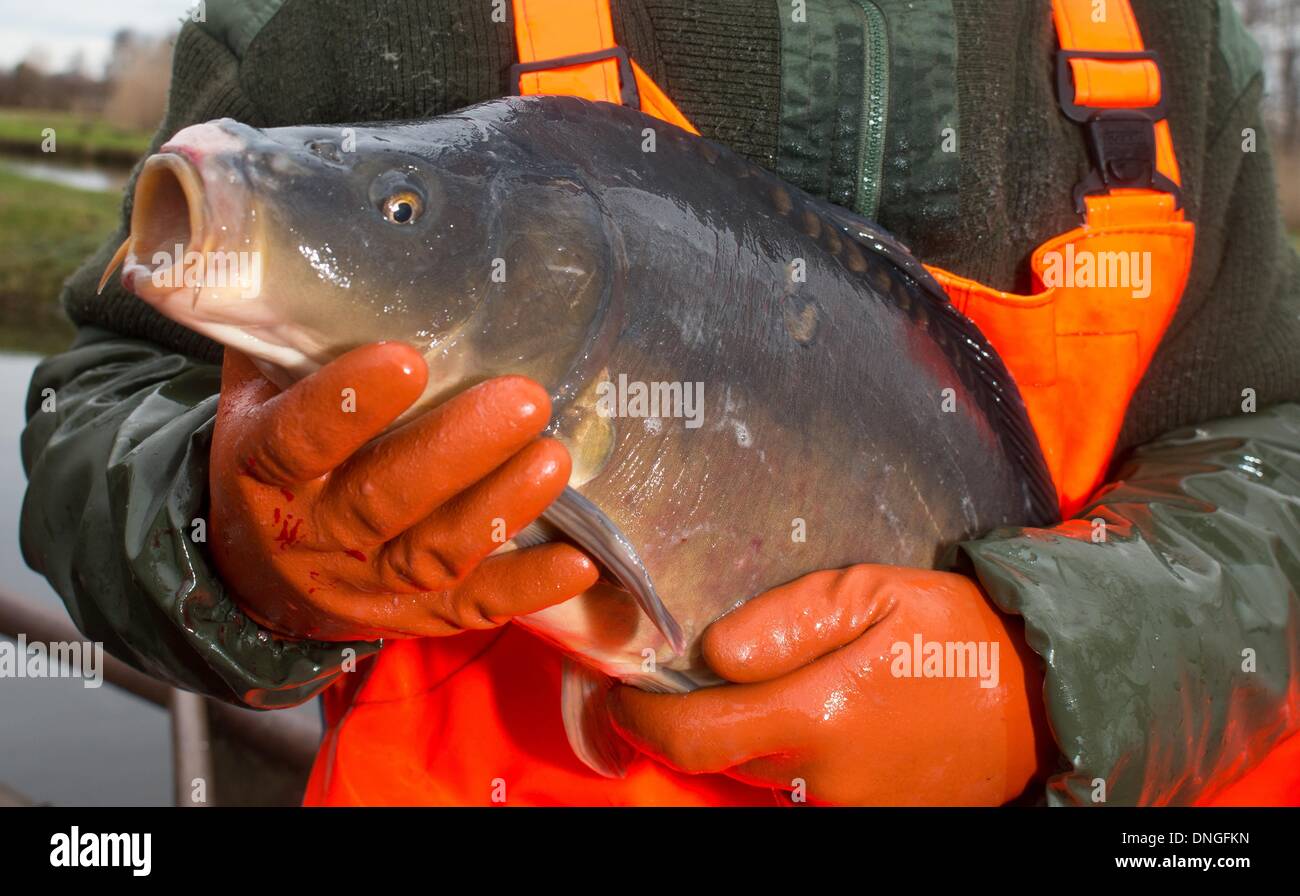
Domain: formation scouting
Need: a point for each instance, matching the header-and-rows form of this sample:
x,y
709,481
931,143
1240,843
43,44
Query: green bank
x,y
46,231
27,130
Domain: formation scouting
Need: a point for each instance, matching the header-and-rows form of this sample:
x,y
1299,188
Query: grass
x,y
74,135
46,232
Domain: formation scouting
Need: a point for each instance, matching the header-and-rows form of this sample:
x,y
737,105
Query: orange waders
x,y
475,719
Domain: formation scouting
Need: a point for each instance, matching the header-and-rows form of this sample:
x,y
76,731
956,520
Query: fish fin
x,y
663,681
595,533
982,369
590,732
535,533
113,264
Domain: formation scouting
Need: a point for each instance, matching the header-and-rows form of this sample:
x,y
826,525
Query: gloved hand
x,y
321,535
818,695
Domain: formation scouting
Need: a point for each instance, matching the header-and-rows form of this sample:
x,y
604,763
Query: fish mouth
x,y
190,235
168,219
195,248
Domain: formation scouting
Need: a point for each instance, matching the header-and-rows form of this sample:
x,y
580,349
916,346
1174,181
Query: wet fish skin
x,y
824,395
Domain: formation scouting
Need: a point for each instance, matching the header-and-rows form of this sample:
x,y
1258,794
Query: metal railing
x,y
280,736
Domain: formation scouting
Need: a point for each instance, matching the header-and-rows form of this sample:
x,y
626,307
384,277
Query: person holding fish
x,y
1017,524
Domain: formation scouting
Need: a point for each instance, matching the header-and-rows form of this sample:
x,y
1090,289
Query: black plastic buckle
x,y
1121,142
628,94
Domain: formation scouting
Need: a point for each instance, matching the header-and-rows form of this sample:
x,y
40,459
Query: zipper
x,y
875,110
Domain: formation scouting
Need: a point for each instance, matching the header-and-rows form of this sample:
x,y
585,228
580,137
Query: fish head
x,y
297,244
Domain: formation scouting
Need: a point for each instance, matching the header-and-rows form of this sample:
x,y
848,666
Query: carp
x,y
753,383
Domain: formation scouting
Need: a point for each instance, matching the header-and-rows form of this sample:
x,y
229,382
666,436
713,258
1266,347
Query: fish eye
x,y
402,207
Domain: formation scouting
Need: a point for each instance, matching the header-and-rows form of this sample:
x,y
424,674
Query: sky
x,y
60,28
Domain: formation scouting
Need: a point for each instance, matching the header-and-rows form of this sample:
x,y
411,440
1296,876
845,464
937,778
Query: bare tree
x,y
139,71
1275,25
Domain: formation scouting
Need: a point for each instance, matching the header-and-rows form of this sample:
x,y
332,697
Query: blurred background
x,y
1275,25
97,72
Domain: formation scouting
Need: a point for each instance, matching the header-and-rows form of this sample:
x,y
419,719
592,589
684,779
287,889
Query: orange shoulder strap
x,y
1080,342
1111,84
567,47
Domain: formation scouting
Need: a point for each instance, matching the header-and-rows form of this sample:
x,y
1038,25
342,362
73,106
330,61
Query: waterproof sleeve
x,y
1167,615
116,453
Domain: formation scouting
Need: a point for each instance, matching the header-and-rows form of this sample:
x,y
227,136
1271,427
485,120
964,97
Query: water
x,y
60,742
80,176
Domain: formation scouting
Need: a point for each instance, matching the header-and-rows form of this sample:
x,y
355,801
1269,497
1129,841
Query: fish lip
x,y
188,152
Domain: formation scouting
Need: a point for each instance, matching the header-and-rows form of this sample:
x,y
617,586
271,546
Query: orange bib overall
x,y
475,719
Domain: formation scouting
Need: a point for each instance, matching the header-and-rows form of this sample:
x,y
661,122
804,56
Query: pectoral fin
x,y
591,735
594,532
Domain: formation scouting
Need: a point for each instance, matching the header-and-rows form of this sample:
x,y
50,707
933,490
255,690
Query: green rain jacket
x,y
1170,648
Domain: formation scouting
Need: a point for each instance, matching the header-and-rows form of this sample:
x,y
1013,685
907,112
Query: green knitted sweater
x,y
851,103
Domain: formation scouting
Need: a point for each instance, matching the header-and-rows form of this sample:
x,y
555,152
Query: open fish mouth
x,y
169,220
191,235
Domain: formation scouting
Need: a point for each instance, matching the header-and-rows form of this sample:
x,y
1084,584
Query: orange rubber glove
x,y
322,535
818,697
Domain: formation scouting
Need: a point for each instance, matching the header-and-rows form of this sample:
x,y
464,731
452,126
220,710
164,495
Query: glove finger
x,y
783,772
404,476
792,625
709,730
521,582
442,549
501,588
315,425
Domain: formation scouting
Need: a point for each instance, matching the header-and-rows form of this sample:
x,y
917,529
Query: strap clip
x,y
628,93
1121,142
